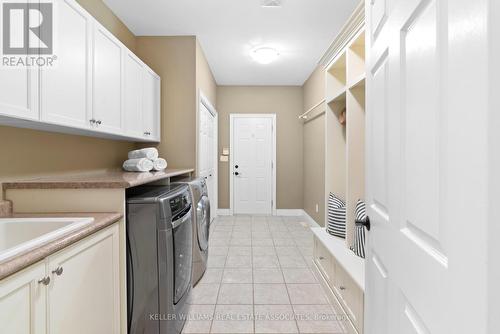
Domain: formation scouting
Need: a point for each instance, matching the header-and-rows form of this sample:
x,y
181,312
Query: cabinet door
x,y
19,92
65,88
133,75
22,302
84,295
151,105
107,81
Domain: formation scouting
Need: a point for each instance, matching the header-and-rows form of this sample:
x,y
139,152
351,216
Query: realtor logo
x,y
27,28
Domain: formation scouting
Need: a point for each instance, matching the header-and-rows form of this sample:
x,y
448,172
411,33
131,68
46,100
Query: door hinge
x,y
272,204
272,164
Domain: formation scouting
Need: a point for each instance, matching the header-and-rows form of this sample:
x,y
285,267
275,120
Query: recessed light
x,y
264,55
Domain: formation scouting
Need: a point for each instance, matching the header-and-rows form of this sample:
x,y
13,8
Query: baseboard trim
x,y
224,212
310,219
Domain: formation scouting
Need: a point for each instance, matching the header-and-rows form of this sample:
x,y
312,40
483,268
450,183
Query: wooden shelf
x,y
338,96
359,81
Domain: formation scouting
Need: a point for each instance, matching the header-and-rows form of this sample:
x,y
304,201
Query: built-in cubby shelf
x,y
345,141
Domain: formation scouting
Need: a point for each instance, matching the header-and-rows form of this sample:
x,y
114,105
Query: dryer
x,y
201,226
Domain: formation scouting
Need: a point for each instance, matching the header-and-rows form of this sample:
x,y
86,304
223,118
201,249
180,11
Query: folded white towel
x,y
150,153
159,164
138,165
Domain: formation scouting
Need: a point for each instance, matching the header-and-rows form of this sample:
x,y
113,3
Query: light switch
x,y
224,158
225,151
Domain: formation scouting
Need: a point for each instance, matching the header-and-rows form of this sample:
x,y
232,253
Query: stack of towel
x,y
144,160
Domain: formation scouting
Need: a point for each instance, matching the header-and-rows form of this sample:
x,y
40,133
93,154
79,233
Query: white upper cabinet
x,y
107,84
132,85
65,88
151,105
96,87
19,93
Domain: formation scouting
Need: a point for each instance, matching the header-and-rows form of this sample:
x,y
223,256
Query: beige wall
x,y
314,147
28,152
286,102
205,80
174,59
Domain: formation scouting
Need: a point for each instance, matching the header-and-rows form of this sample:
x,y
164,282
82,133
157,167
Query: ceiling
x,y
301,30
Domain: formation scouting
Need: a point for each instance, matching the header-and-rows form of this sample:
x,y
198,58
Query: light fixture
x,y
264,55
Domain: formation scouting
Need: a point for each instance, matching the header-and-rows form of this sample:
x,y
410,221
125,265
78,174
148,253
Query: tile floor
x,y
259,280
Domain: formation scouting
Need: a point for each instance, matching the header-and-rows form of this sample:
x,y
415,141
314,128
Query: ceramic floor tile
x,y
263,250
267,276
262,242
233,319
317,319
265,261
232,275
288,251
292,262
274,319
219,242
270,294
283,242
240,242
216,261
239,261
218,250
199,319
235,294
212,275
298,275
204,294
240,250
306,294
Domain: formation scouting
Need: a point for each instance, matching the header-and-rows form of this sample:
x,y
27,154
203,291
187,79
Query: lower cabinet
x,y
76,290
346,296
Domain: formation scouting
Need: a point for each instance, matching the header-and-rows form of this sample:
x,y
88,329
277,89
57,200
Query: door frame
x,y
202,99
232,117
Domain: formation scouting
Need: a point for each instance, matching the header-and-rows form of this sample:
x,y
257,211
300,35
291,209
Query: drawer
x,y
323,260
350,296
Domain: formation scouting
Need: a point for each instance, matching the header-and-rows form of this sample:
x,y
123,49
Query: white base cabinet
x,y
93,89
76,290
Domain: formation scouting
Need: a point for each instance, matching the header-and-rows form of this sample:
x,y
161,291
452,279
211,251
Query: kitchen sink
x,y
18,235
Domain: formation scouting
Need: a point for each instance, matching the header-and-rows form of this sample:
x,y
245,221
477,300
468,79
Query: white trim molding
x,y
353,25
289,212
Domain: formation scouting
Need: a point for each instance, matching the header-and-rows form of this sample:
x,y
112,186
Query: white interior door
x,y
426,252
252,164
207,153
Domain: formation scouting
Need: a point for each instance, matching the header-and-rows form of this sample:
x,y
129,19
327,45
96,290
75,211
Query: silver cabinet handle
x,y
147,133
321,258
58,271
45,281
342,288
98,122
92,121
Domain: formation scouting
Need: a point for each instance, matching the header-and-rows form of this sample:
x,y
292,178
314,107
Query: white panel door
x,y
132,77
424,266
22,301
151,105
107,81
252,165
84,294
207,151
65,88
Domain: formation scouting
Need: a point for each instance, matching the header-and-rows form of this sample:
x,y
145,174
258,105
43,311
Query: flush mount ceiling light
x,y
270,3
264,55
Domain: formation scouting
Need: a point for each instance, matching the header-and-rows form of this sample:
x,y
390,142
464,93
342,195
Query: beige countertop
x,y
23,260
100,179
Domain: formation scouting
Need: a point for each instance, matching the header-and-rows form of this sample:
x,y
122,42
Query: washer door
x,y
203,222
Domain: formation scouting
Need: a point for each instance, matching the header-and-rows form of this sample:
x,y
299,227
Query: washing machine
x,y
201,226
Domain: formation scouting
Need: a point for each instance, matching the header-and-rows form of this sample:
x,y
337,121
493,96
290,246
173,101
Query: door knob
x,y
236,166
236,173
365,223
58,271
45,281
